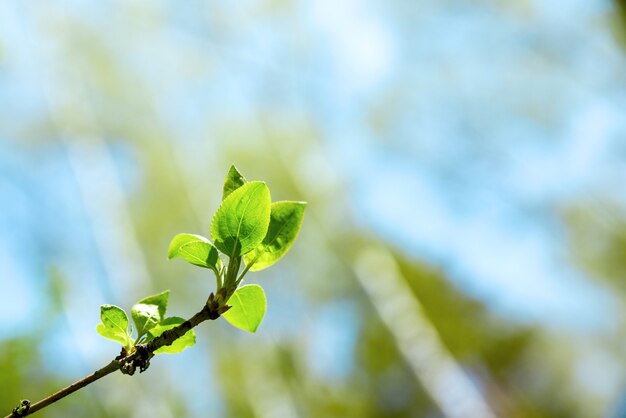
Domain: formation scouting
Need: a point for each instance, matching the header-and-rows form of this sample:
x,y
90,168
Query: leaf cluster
x,y
247,230
149,318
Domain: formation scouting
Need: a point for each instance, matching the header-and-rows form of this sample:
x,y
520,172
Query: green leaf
x,y
234,180
247,307
242,219
110,334
160,300
285,222
145,317
114,324
196,250
149,311
178,345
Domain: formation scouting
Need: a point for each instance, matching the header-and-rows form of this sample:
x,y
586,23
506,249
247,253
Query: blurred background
x,y
463,253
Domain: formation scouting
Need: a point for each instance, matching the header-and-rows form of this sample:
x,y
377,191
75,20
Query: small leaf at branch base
x,y
145,317
196,250
247,310
241,222
234,180
149,311
178,345
114,324
160,300
112,335
285,222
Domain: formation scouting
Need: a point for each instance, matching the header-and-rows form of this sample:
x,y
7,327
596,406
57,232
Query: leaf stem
x,y
218,277
243,273
230,281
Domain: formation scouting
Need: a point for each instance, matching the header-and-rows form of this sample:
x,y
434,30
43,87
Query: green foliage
x,y
285,222
150,322
159,300
196,250
145,317
234,180
149,312
114,325
247,224
241,222
247,307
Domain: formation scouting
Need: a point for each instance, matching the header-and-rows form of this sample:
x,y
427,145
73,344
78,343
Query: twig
x,y
127,364
108,369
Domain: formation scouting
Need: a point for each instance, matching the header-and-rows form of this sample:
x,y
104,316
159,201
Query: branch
x,y
127,364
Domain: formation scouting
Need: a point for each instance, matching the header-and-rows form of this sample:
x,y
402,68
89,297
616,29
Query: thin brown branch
x,y
108,369
140,358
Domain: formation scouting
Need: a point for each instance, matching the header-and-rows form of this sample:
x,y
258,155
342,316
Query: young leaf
x,y
285,222
247,307
160,300
110,334
114,324
234,180
241,221
196,250
177,346
148,312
